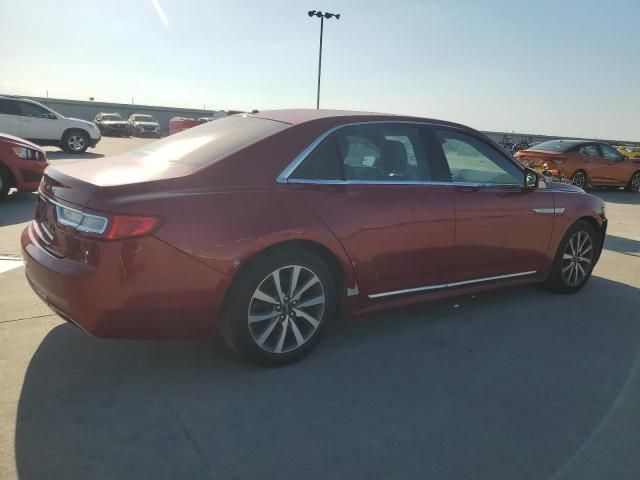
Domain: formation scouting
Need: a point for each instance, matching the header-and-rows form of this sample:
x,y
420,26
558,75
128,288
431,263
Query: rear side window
x,y
590,150
384,152
610,153
321,164
207,143
8,107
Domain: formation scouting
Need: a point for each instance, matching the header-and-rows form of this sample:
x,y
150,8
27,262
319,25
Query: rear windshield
x,y
554,146
111,116
205,144
144,118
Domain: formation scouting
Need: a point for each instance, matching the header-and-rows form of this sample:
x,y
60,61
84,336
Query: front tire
x,y
75,141
634,183
278,310
574,260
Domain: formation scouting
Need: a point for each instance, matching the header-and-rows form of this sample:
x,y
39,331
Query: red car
x,y
267,226
22,164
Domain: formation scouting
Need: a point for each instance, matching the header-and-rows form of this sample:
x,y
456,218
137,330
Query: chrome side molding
x,y
449,285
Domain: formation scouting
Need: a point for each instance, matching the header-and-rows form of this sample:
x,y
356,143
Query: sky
x,y
562,67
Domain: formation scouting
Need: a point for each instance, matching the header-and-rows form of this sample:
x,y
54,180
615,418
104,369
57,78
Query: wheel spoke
x,y
285,327
586,260
260,295
296,332
587,249
278,284
305,287
572,247
307,317
566,256
267,332
582,271
294,280
261,318
569,265
311,302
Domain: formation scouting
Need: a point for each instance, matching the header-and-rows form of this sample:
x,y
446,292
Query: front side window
x,y
32,110
610,153
590,150
472,161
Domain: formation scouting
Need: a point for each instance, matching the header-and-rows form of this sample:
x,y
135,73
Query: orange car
x,y
585,163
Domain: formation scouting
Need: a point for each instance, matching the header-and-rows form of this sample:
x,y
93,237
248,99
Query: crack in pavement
x,y
186,433
28,318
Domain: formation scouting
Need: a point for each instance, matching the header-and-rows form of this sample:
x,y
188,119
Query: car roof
x,y
299,116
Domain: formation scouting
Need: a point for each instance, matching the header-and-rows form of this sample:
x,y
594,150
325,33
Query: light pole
x,y
322,16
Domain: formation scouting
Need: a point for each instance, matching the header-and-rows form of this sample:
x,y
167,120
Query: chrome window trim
x,y
448,285
295,163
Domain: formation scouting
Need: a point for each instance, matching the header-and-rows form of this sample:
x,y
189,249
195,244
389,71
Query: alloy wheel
x,y
577,258
579,179
635,183
76,142
286,309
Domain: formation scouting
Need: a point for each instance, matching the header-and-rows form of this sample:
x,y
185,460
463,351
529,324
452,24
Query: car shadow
x,y
17,207
623,245
516,383
617,196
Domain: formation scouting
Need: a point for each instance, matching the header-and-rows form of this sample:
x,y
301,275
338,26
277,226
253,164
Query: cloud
x,y
160,12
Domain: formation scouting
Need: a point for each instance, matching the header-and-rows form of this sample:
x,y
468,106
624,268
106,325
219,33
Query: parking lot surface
x,y
516,383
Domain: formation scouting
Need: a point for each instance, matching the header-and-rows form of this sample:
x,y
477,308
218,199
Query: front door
x,y
370,185
38,123
502,229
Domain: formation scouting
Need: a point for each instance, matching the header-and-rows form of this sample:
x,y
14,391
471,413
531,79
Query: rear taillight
x,y
108,227
125,226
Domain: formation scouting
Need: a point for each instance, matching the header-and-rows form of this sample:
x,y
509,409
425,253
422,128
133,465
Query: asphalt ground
x,y
510,384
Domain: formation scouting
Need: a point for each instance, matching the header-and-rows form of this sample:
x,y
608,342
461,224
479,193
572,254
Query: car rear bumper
x,y
140,288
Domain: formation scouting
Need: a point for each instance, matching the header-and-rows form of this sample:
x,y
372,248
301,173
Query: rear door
x,y
594,163
9,117
38,123
370,184
502,229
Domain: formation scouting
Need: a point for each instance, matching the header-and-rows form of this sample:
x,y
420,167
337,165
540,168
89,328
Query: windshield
x,y
209,142
144,118
559,146
111,116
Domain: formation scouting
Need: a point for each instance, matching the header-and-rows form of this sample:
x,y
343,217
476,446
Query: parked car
x,y
268,226
178,124
38,123
113,124
631,152
585,163
144,125
21,164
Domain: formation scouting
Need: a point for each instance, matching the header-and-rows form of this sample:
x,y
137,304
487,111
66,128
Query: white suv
x,y
31,120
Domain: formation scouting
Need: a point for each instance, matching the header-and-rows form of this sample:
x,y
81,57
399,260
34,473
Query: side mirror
x,y
530,179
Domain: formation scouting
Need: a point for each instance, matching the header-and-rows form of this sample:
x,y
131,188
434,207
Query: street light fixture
x,y
322,16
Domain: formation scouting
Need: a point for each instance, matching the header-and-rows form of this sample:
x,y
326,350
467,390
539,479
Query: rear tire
x,y
634,183
574,260
75,141
270,318
6,181
579,179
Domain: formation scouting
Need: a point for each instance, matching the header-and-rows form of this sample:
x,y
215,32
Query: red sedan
x,y
266,226
21,164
